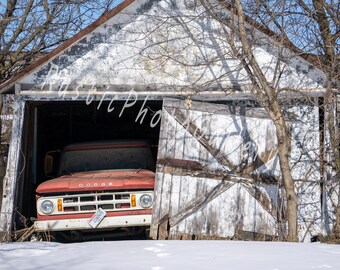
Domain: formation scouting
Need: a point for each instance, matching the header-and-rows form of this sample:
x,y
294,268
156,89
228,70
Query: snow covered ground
x,y
161,255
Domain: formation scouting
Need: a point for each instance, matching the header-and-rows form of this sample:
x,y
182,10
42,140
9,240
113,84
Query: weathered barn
x,y
163,71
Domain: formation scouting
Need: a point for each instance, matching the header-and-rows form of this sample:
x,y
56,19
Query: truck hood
x,y
99,180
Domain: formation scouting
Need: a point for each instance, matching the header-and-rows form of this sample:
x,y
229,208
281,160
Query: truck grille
x,y
86,203
89,203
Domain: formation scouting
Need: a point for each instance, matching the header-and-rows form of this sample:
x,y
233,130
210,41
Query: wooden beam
x,y
200,202
260,197
13,170
198,134
196,169
17,89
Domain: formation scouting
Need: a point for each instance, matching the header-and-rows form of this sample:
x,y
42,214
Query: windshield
x,y
117,158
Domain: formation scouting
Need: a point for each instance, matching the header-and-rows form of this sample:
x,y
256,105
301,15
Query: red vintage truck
x,y
99,186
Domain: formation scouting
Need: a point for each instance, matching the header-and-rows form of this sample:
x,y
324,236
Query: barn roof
x,y
135,8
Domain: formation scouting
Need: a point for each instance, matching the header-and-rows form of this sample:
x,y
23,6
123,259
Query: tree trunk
x,y
2,163
2,175
283,152
331,68
330,103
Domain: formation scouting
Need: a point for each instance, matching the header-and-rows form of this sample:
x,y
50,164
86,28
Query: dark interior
x,y
53,125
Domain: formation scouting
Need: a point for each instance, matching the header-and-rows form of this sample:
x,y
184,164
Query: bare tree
x,y
30,28
266,94
314,27
325,15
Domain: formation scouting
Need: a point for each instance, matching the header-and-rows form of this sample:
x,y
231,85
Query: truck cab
x,y
99,186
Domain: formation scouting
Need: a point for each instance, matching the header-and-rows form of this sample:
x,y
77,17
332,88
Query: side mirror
x,y
49,164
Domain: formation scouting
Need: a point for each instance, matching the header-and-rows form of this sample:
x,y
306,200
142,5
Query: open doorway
x,y
54,124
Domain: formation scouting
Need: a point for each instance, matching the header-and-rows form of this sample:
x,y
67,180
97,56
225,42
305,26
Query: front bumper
x,y
82,223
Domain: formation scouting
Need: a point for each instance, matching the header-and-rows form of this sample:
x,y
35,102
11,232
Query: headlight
x,y
47,207
145,201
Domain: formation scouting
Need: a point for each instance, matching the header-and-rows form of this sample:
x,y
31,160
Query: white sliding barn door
x,y
216,173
